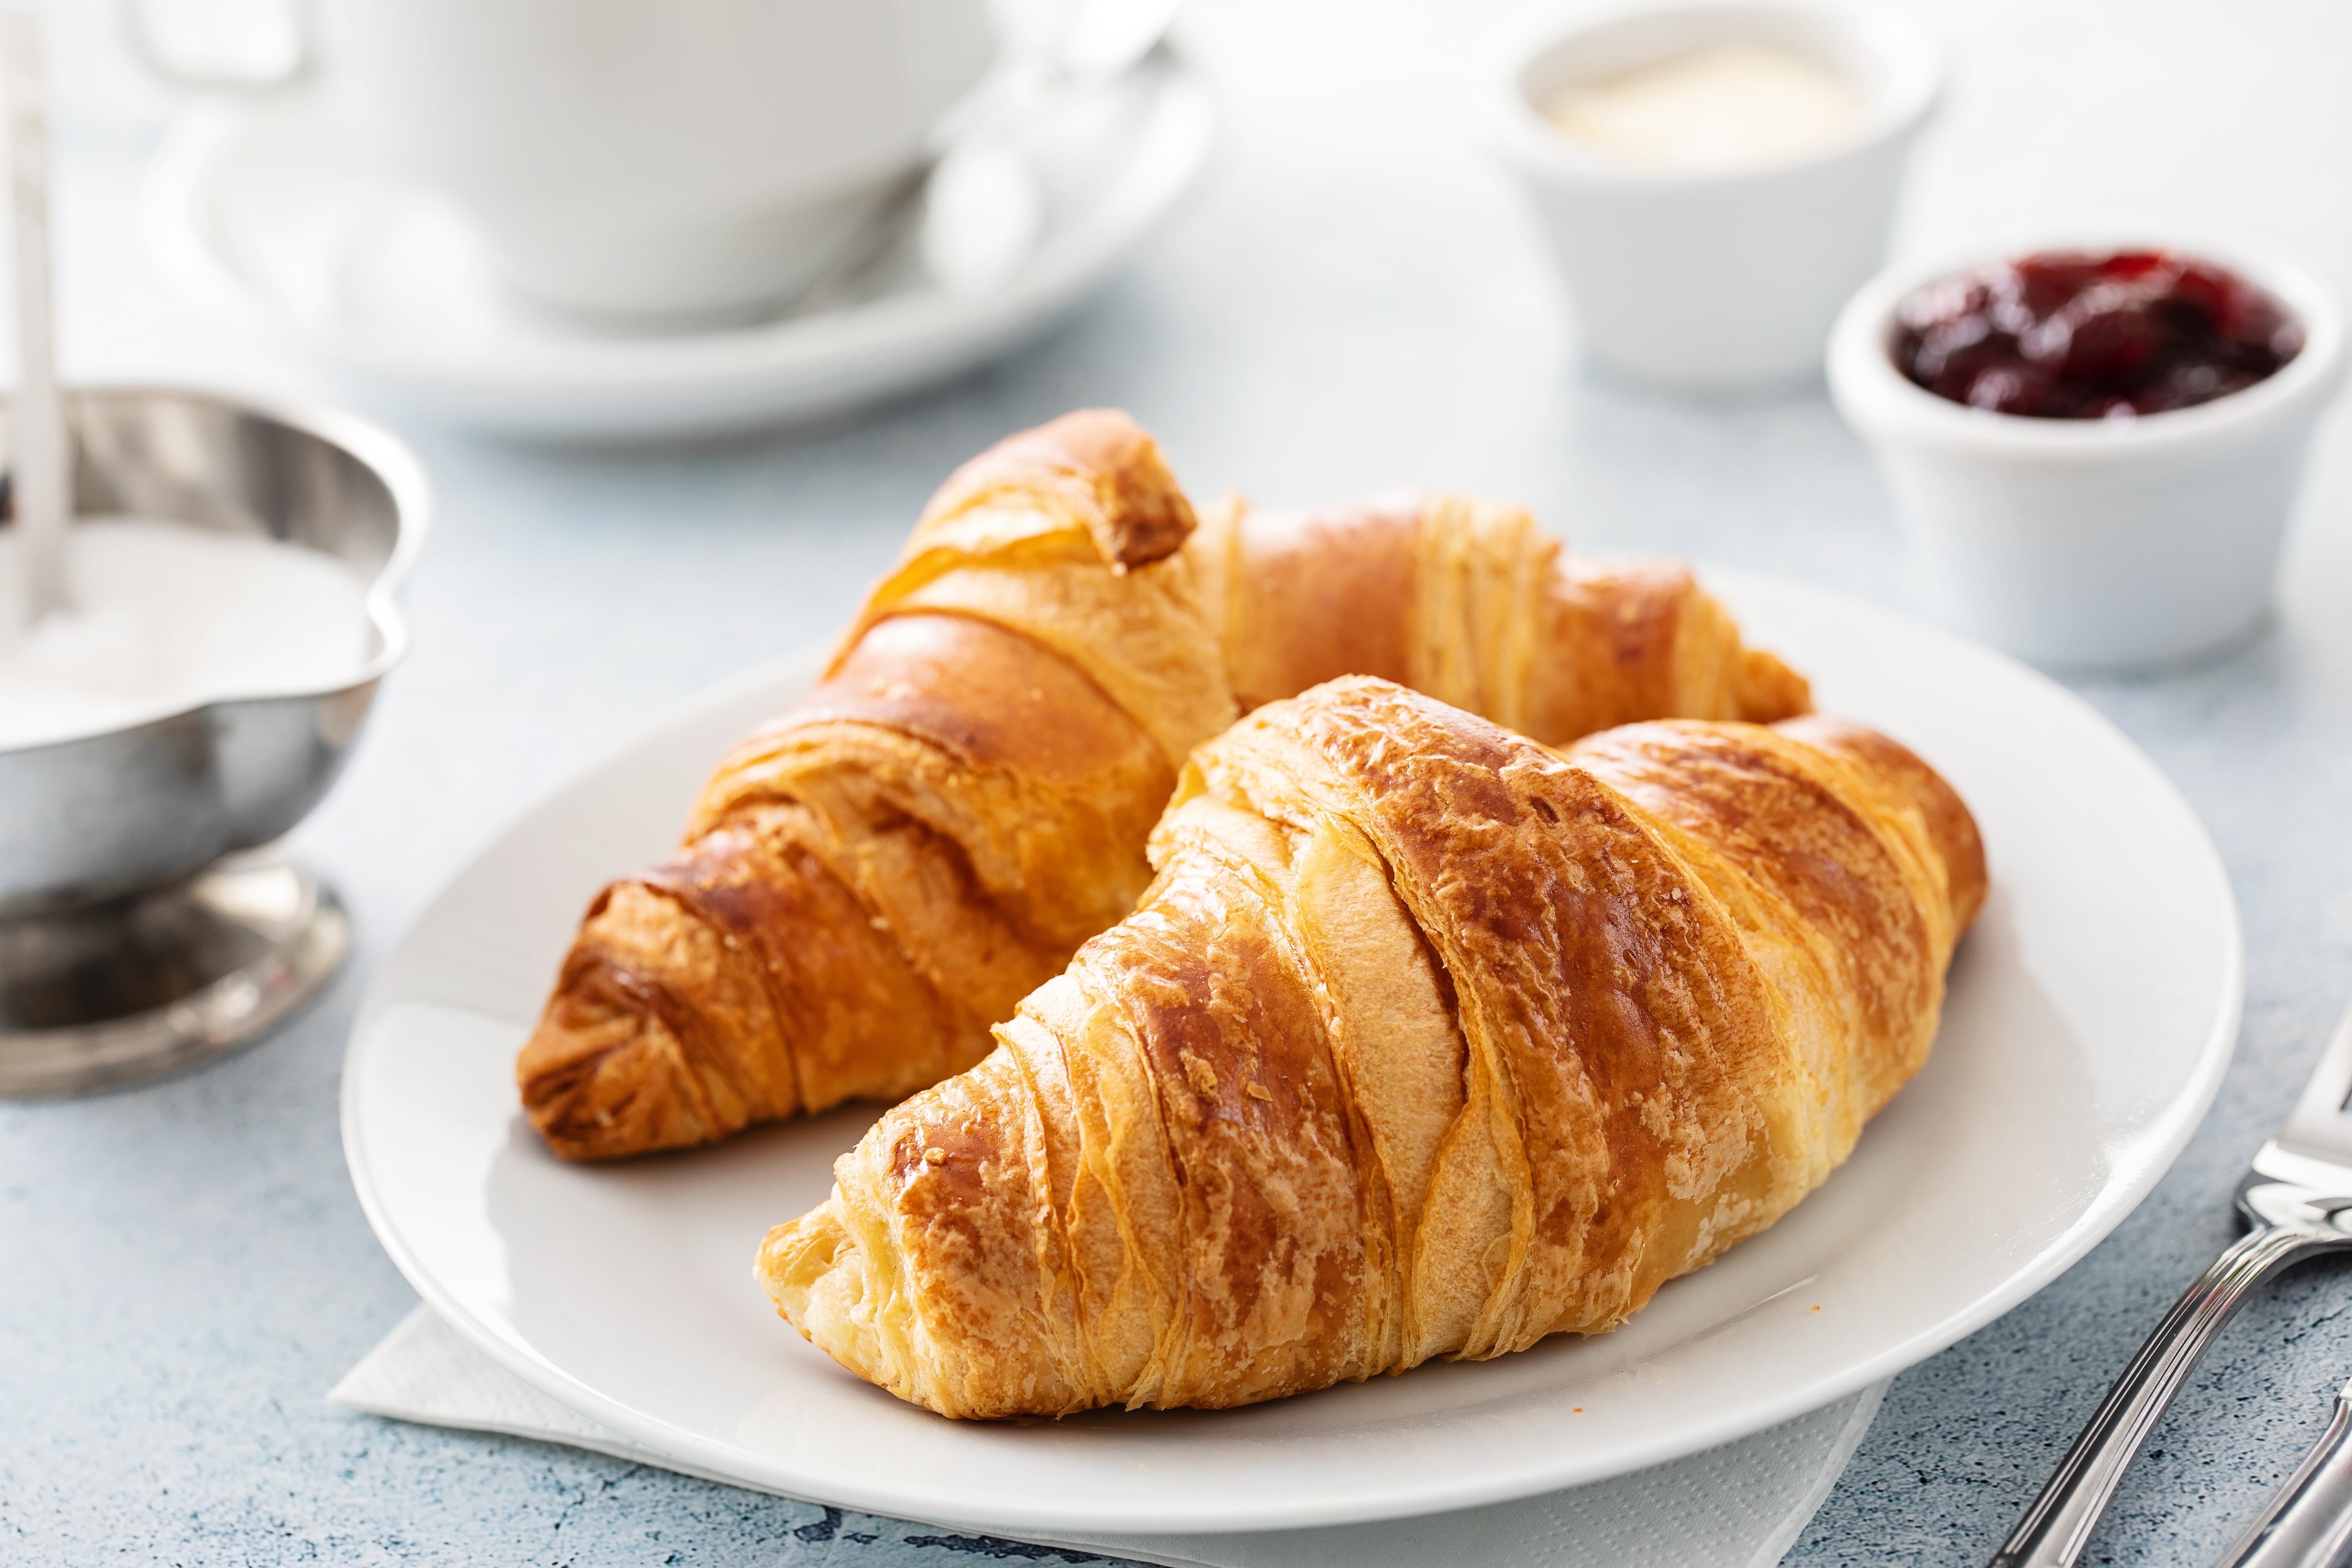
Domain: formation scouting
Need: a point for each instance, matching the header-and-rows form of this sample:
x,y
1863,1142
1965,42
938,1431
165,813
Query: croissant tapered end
x,y
740,981
845,1297
1767,691
596,1082
836,1274
1104,466
622,1060
812,1271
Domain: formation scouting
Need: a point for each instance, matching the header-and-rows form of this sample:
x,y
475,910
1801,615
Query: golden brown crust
x,y
883,872
876,877
667,1025
1100,464
987,697
1425,1041
1949,823
1469,601
1039,784
943,820
1638,640
1315,595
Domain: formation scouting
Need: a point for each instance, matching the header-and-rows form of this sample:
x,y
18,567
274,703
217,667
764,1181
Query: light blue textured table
x,y
1356,303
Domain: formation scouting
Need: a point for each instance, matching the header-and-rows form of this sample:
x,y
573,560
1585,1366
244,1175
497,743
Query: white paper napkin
x,y
1740,1506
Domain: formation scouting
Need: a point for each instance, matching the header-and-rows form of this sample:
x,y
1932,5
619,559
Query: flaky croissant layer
x,y
1424,1041
874,880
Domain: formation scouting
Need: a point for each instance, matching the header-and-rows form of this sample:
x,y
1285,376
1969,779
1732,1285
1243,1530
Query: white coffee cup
x,y
651,161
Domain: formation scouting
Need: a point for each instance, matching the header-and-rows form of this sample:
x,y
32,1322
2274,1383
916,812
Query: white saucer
x,y
2091,1015
267,212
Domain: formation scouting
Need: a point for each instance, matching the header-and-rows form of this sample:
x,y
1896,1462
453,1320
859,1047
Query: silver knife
x,y
2294,1201
2309,1524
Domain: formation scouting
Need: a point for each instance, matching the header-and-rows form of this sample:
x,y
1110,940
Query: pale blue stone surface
x,y
1356,303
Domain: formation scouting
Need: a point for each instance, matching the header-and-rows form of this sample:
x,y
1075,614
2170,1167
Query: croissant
x,y
879,874
1426,1041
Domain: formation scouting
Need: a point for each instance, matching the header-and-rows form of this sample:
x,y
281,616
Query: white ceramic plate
x,y
2091,1014
265,213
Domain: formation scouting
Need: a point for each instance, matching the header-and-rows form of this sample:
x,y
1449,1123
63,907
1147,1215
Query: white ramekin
x,y
2093,542
1713,279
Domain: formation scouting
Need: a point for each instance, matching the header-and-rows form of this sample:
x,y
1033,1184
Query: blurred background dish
x,y
637,161
2109,542
1714,180
126,947
263,210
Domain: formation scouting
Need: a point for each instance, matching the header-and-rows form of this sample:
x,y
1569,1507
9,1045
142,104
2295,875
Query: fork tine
x,y
2320,1126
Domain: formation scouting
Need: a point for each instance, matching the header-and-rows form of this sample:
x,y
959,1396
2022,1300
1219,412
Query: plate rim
x,y
2184,1113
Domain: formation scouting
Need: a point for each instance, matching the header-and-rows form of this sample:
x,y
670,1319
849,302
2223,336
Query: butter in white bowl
x,y
1727,106
1715,179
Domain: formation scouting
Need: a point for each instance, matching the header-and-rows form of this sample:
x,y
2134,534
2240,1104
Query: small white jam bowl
x,y
1713,279
2093,543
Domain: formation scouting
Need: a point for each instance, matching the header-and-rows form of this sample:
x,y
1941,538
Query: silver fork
x,y
2294,1201
2308,1524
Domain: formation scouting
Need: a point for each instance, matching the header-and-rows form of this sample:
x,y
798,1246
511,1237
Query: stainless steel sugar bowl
x,y
134,936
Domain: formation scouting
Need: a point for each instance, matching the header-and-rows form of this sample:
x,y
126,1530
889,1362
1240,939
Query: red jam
x,y
2072,335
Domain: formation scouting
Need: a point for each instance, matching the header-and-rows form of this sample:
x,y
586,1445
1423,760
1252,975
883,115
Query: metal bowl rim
x,y
377,449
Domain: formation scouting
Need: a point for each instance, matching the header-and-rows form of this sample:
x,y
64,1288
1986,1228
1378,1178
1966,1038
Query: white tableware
x,y
2091,1014
262,213
650,159
2093,542
1707,278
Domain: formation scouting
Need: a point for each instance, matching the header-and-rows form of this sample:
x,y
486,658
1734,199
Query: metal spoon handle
x,y
2309,1524
2058,1526
38,478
